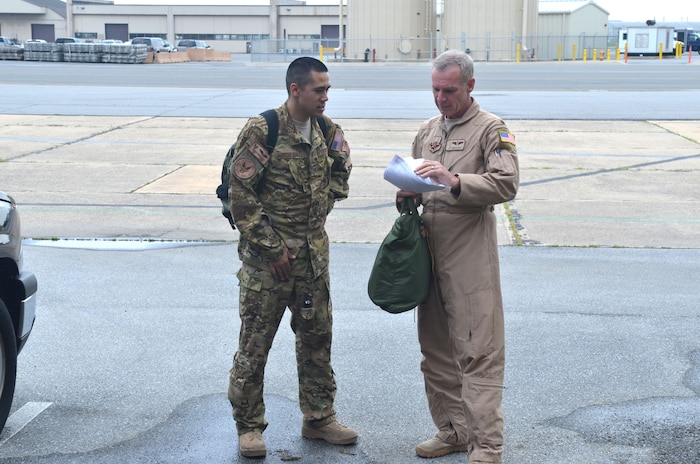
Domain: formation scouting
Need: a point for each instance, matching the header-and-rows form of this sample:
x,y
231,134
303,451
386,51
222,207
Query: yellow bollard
x,y
559,53
661,50
585,55
320,54
573,55
594,54
517,53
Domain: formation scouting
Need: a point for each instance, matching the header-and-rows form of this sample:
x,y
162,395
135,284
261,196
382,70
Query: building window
x,y
148,34
214,37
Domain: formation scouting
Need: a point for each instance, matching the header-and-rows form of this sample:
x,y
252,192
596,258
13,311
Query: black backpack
x,y
272,130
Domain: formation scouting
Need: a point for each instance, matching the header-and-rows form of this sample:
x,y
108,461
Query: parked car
x,y
154,44
64,40
7,42
189,43
171,48
17,301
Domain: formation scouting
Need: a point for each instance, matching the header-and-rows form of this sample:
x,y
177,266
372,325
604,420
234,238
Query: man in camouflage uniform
x,y
279,202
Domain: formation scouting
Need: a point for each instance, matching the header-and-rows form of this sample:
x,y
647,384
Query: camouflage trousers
x,y
263,302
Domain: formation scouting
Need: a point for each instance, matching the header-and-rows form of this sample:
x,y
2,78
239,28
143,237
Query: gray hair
x,y
455,57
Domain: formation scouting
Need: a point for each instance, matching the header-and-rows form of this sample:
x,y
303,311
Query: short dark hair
x,y
299,71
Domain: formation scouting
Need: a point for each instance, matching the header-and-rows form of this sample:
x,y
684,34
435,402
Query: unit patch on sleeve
x,y
244,168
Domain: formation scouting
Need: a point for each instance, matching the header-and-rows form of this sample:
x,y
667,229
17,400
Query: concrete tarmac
x,y
583,183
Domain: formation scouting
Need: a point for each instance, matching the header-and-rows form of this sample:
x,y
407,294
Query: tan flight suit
x,y
460,325
280,200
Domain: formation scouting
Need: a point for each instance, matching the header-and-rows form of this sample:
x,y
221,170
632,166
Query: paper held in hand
x,y
400,173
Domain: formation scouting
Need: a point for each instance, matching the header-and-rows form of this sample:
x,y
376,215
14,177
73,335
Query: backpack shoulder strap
x,y
324,128
273,126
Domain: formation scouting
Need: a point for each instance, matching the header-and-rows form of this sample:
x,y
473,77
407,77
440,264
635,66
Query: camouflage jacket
x,y
281,199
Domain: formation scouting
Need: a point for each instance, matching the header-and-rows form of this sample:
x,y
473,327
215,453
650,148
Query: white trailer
x,y
647,40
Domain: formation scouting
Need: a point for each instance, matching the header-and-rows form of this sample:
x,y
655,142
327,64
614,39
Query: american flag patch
x,y
507,137
337,141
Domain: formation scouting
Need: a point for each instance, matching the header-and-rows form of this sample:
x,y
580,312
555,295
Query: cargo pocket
x,y
500,160
250,288
239,373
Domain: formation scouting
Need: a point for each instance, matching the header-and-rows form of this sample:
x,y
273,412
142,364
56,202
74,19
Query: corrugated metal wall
x,y
383,25
420,30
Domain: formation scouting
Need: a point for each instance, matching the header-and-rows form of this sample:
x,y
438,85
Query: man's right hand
x,y
282,267
401,194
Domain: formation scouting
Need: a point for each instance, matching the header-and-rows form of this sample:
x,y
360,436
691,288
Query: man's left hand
x,y
438,174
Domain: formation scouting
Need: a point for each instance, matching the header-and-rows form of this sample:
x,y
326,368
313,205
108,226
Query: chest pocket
x,y
290,166
465,156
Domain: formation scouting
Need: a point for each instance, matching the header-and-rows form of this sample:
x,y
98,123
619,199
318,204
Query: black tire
x,y
8,363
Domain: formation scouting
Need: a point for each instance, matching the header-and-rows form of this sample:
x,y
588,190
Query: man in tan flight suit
x,y
460,325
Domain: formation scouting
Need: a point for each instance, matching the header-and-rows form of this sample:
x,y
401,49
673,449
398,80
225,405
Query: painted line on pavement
x,y
20,418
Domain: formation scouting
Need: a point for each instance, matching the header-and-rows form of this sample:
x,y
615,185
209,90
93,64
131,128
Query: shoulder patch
x,y
244,168
260,153
338,141
506,137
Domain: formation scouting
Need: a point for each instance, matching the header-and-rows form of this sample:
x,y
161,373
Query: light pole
x,y
69,18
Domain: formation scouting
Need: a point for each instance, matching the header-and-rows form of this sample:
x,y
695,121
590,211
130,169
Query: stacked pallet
x,y
41,51
11,53
124,54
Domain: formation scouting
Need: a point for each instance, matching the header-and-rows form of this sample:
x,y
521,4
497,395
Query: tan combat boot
x,y
332,432
252,445
435,447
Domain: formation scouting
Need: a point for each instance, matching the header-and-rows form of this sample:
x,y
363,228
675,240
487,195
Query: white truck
x,y
6,41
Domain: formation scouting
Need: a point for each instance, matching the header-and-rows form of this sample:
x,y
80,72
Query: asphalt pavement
x,y
131,351
137,318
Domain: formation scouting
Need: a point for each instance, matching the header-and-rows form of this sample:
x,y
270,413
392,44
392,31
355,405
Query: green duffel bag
x,y
401,274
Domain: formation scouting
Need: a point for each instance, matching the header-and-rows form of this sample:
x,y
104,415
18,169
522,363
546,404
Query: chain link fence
x,y
412,49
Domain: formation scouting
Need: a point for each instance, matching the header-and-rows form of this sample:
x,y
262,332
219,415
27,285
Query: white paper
x,y
400,173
